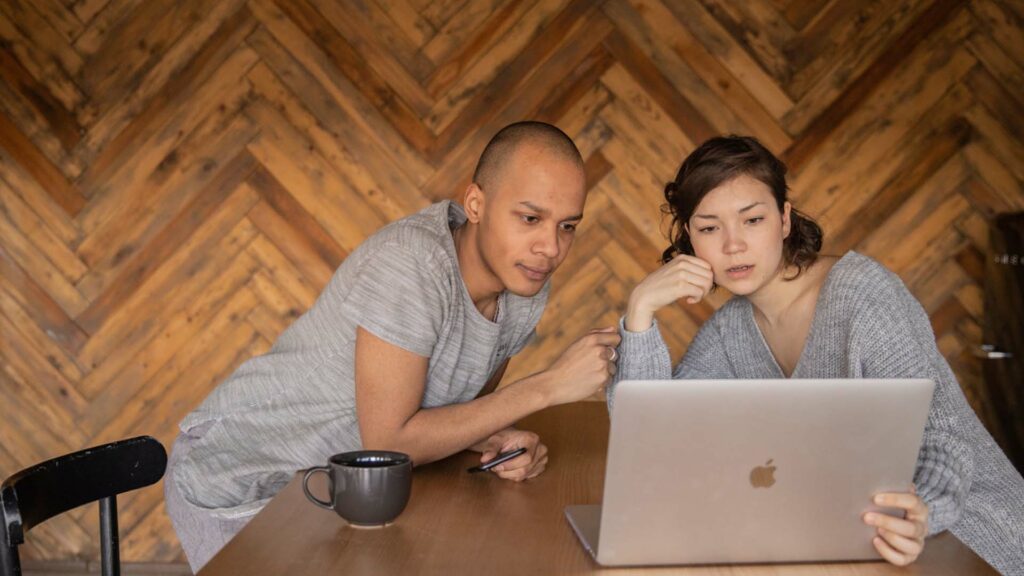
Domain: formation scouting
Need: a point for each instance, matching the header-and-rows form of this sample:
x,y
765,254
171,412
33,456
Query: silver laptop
x,y
740,471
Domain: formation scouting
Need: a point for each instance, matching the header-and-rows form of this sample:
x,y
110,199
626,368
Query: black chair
x,y
45,490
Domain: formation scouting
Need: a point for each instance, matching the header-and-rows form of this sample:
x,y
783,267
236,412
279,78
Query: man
x,y
404,348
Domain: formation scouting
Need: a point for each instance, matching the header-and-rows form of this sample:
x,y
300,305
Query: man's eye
x,y
569,227
530,219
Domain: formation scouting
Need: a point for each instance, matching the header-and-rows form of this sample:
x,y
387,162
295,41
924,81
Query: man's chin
x,y
526,289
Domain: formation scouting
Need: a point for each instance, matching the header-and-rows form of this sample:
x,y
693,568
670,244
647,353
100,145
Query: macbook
x,y
751,471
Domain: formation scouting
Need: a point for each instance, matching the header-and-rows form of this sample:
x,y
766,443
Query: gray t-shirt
x,y
294,406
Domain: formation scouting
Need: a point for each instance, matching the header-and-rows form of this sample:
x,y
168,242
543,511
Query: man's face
x,y
529,219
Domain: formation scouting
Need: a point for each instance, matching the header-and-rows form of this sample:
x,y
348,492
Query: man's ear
x,y
473,203
787,222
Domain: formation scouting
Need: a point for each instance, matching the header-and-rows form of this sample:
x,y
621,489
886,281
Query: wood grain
x,y
177,175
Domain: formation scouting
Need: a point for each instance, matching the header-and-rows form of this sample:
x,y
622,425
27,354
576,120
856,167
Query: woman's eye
x,y
706,229
755,219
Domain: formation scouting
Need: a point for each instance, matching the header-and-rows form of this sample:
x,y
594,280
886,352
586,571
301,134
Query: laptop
x,y
751,471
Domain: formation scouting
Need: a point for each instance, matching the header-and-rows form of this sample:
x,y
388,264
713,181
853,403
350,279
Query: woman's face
x,y
738,230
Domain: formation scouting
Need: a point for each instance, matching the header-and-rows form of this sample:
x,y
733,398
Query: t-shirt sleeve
x,y
401,298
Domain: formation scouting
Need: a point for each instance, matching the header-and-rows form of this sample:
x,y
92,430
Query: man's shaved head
x,y
499,152
522,210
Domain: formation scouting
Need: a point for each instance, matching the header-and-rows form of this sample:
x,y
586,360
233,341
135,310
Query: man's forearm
x,y
435,433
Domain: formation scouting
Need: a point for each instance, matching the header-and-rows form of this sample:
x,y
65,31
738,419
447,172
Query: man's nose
x,y
546,244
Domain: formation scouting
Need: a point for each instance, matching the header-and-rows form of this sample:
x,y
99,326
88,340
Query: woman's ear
x,y
787,223
473,203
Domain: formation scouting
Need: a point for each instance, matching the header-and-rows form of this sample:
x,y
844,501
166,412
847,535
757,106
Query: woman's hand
x,y
522,467
684,277
899,540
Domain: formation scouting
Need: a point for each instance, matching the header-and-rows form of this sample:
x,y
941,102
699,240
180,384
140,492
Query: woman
x,y
798,314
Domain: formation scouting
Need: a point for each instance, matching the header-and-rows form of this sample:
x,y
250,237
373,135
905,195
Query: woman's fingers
x,y
915,510
892,556
907,546
900,540
685,277
693,290
893,524
691,269
680,258
903,500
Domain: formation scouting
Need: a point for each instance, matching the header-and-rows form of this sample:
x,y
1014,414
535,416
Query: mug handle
x,y
305,486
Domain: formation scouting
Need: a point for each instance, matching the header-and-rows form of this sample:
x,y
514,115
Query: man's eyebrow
x,y
545,211
535,208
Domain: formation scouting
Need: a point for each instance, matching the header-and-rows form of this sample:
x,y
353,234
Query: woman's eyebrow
x,y
740,211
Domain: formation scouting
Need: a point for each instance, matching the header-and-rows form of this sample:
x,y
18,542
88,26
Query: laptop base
x,y
585,520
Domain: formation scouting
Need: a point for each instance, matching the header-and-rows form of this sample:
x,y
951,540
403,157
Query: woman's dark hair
x,y
714,163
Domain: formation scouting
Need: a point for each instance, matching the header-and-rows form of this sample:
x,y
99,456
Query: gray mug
x,y
367,487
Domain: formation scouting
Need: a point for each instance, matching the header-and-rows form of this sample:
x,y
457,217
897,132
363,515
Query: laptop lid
x,y
735,471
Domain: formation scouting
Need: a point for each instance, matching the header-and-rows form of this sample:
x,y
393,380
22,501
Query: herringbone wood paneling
x,y
178,180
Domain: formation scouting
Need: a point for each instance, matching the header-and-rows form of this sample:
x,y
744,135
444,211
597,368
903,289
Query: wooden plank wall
x,y
178,179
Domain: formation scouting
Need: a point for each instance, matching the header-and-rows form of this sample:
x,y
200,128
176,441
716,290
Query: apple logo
x,y
763,476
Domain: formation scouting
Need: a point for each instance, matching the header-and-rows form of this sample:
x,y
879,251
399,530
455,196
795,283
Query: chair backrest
x,y
45,490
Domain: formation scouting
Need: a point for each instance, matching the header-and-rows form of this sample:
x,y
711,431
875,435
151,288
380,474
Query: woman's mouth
x,y
739,272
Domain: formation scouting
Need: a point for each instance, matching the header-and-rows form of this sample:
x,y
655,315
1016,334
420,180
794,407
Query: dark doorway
x,y
1003,334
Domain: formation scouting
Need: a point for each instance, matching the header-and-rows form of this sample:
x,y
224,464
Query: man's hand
x,y
584,369
522,467
899,540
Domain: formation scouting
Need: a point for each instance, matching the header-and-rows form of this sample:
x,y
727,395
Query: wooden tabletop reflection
x,y
459,523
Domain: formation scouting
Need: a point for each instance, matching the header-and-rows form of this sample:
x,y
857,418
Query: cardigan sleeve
x,y
971,488
898,343
969,484
644,356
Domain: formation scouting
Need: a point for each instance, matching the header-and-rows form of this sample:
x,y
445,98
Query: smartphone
x,y
503,457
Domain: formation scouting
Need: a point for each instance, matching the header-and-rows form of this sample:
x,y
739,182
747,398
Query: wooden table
x,y
458,523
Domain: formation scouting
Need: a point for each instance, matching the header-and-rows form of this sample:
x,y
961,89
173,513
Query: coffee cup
x,y
368,488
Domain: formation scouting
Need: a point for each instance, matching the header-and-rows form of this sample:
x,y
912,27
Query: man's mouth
x,y
534,273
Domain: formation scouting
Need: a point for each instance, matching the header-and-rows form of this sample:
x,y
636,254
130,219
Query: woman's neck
x,y
777,299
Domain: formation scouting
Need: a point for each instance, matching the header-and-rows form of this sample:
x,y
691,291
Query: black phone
x,y
503,457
